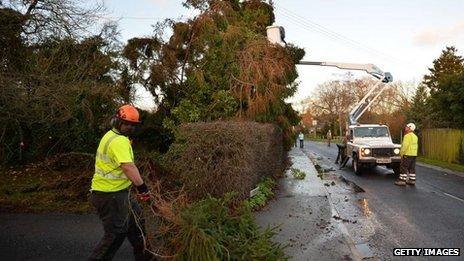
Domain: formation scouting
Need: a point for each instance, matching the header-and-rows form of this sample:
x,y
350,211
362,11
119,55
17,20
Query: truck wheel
x,y
396,169
356,165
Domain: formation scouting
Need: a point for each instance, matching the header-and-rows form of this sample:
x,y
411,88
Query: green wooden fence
x,y
442,144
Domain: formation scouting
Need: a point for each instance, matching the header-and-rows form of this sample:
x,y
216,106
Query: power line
x,y
328,32
337,37
116,18
313,26
304,26
299,20
151,18
138,18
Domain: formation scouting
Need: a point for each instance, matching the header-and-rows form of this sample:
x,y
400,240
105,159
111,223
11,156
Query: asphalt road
x,y
384,217
52,236
430,214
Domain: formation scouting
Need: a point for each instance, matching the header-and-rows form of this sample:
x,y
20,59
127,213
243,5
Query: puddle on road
x,y
364,250
364,204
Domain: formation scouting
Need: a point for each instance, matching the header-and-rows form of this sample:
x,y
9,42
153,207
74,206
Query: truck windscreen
x,y
374,132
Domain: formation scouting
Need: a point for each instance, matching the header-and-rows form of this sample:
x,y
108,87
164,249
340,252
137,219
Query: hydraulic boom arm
x,y
373,93
276,35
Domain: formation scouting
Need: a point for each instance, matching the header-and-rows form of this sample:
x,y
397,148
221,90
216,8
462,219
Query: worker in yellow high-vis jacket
x,y
408,154
115,172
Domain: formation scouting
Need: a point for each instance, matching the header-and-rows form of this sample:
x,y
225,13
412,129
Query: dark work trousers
x,y
408,165
118,223
301,143
341,153
408,168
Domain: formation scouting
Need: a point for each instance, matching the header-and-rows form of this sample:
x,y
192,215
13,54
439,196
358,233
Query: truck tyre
x,y
356,165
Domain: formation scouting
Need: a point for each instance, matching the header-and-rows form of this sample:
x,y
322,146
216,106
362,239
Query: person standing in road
x,y
301,138
329,137
342,150
115,172
408,154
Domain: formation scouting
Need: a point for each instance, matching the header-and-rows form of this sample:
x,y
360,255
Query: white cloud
x,y
436,35
159,2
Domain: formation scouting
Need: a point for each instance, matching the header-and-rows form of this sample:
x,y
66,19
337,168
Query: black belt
x,y
109,192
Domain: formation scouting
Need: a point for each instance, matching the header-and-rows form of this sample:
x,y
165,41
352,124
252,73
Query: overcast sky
x,y
402,37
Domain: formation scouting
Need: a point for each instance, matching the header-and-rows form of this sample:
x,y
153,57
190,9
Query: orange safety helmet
x,y
129,114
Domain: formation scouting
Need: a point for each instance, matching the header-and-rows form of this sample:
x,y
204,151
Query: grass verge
x,y
442,164
24,191
265,192
316,139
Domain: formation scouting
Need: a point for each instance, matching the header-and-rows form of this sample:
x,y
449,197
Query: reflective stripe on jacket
x,y
113,150
410,145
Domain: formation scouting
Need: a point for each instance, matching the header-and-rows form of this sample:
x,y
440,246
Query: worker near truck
x,y
329,137
341,156
115,172
301,138
408,154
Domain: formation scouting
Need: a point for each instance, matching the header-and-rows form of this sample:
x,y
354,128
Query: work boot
x,y
401,180
411,179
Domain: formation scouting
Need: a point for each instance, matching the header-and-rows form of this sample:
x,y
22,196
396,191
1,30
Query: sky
x,y
401,37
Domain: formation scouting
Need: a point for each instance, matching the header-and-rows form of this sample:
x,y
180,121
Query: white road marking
x,y
449,195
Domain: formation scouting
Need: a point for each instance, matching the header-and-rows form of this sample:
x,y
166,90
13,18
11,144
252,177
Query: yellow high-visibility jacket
x,y
410,145
114,149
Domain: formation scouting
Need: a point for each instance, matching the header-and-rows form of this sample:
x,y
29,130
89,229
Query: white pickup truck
x,y
370,145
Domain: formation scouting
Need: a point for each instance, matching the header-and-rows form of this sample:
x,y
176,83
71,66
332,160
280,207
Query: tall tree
x,y
12,49
444,85
448,101
56,85
420,111
43,19
449,63
218,65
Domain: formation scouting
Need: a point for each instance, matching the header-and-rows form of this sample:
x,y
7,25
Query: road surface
x,y
381,218
52,236
430,214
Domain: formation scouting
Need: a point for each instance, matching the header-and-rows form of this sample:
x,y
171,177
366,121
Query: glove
x,y
142,193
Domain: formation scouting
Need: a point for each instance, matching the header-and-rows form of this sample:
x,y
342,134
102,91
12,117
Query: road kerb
x,y
448,171
348,239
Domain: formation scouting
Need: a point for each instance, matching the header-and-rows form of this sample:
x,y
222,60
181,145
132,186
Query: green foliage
x,y
420,111
211,230
439,103
12,49
218,66
449,63
298,174
153,135
442,164
265,192
187,112
448,101
224,105
58,101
